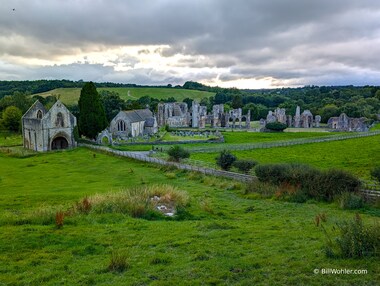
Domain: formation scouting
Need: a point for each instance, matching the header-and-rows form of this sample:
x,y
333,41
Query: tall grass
x,y
139,202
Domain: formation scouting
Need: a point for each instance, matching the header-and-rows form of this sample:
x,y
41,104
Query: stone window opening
x,y
39,114
59,121
121,126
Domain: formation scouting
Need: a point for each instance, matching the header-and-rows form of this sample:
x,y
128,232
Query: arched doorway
x,y
59,143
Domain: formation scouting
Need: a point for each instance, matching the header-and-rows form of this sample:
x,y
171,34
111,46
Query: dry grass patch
x,y
142,202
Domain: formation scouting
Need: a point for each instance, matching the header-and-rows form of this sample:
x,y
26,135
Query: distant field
x,y
71,95
358,156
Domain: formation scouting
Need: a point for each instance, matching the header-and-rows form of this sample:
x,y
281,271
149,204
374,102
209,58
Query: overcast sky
x,y
241,43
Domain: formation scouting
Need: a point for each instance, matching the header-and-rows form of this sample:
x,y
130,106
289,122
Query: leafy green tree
x,y
237,101
92,118
225,160
176,153
21,100
12,118
377,94
328,111
112,103
188,101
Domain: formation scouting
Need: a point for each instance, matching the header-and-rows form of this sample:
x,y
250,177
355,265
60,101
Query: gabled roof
x,y
138,115
37,105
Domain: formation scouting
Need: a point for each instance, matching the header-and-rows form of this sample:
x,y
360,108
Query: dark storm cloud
x,y
292,40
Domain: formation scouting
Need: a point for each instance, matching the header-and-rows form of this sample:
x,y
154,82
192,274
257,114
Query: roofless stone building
x,y
44,130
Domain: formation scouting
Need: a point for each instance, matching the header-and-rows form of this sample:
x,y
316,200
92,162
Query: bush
x,y
355,240
375,173
176,153
334,182
244,165
276,126
309,182
273,173
350,201
225,160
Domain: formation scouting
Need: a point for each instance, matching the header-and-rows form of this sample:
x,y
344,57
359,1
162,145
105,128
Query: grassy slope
x,y
71,95
356,155
225,244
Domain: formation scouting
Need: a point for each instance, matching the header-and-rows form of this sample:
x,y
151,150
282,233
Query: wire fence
x,y
264,145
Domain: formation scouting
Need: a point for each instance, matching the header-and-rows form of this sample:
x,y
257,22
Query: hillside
x,y
71,95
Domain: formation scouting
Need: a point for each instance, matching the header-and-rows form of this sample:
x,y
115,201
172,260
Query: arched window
x,y
39,114
59,121
121,126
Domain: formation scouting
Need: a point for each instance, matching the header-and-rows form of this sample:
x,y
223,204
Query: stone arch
x,y
39,114
60,142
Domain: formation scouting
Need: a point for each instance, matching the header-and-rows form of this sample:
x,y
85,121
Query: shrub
x,y
276,126
355,240
118,262
375,173
307,181
176,153
225,160
273,173
350,201
336,182
244,165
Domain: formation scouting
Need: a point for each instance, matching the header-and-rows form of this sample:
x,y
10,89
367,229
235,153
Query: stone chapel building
x,y
44,130
133,123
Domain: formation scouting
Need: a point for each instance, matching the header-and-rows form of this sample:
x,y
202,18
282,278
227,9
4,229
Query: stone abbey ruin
x,y
177,114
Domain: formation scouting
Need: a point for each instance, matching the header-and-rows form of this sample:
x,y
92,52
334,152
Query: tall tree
x,y
92,118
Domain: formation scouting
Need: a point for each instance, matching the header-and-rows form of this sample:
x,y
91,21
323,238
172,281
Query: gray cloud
x,y
301,42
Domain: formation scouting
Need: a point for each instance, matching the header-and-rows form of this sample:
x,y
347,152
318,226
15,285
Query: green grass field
x,y
10,139
358,156
229,240
234,138
71,95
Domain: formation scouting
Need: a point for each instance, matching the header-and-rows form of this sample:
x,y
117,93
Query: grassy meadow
x,y
71,95
358,156
226,238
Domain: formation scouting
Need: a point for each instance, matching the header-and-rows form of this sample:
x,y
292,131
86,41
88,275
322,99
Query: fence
x,y
371,190
142,156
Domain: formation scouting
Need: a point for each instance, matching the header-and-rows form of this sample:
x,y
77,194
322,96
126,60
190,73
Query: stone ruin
x,y
345,123
177,115
300,120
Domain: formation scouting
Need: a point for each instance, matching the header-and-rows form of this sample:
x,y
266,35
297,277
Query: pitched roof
x,y
138,115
